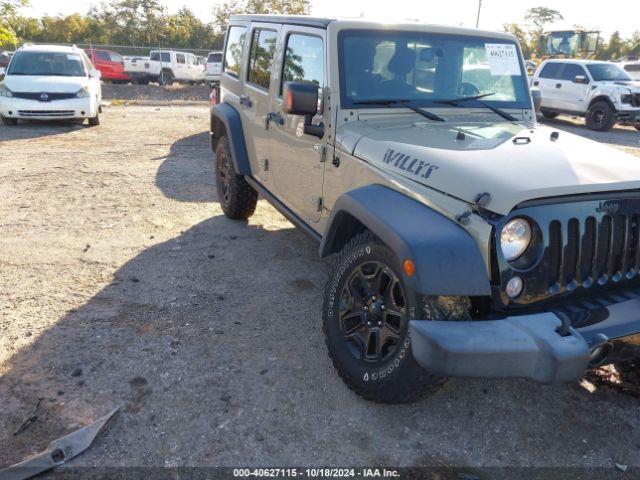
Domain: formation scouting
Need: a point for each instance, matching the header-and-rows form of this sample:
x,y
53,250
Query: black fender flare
x,y
225,115
447,259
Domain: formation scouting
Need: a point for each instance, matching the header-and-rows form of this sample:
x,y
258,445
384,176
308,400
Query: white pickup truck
x,y
165,67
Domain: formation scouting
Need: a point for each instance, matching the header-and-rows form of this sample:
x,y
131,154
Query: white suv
x,y
47,82
602,92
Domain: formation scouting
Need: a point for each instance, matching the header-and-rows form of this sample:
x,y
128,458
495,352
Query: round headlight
x,y
515,238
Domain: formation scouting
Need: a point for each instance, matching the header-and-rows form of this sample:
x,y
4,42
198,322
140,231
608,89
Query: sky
x,y
619,15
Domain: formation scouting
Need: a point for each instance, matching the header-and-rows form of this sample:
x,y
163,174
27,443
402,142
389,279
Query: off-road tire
x,y
237,198
548,114
95,121
166,78
9,122
396,378
637,125
600,117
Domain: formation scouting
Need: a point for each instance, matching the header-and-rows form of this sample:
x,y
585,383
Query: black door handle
x,y
275,118
336,161
246,101
558,85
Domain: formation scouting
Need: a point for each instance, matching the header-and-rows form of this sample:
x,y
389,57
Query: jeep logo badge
x,y
44,97
608,207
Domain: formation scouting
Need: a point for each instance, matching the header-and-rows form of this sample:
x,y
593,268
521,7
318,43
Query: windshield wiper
x,y
388,103
456,101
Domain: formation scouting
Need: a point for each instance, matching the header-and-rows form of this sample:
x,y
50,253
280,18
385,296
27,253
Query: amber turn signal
x,y
409,267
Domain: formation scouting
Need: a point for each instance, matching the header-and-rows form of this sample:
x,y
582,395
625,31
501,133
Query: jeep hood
x,y
511,162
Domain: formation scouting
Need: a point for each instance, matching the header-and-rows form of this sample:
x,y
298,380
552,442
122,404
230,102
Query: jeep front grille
x,y
593,250
587,244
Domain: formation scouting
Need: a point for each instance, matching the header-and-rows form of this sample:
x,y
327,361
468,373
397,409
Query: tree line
x,y
133,22
538,18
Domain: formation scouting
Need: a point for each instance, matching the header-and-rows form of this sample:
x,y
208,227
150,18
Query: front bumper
x,y
629,116
57,109
527,346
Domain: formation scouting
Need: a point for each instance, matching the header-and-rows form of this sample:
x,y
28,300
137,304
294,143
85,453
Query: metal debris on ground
x,y
32,417
58,452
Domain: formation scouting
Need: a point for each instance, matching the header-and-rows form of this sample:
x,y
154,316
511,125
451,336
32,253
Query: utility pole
x,y
478,18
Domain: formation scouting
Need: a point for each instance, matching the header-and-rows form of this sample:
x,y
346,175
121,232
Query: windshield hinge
x,y
321,150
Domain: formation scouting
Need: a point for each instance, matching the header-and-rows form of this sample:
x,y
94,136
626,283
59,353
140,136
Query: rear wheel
x,y
366,315
237,198
9,122
600,117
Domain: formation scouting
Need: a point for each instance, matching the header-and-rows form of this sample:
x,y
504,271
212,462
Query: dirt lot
x,y
122,284
155,93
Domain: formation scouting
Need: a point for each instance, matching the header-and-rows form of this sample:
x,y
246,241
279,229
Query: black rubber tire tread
x,y
95,121
9,122
243,198
609,121
409,382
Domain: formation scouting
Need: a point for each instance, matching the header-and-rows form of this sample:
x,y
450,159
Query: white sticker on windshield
x,y
73,57
503,59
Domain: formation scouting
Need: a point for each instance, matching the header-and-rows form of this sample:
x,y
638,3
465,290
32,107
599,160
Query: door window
x,y
263,47
304,60
233,53
214,58
571,70
180,58
104,56
552,70
115,57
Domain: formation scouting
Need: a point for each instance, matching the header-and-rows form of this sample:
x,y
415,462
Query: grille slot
x,y
46,113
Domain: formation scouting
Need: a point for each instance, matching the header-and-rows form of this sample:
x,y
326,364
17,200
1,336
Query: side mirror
x,y
302,99
580,79
95,73
536,96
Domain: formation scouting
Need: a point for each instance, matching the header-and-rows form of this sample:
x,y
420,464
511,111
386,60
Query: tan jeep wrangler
x,y
467,239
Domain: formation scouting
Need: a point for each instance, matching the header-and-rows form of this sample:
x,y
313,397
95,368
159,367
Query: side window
x,y
303,60
571,70
551,70
116,58
180,58
263,47
102,55
233,53
165,57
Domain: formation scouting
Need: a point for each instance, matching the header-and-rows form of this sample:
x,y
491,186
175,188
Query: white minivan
x,y
50,82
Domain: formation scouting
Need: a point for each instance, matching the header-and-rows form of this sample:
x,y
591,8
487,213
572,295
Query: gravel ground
x,y
122,284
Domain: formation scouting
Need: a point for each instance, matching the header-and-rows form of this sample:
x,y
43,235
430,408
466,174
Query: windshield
x,y
425,68
47,63
607,71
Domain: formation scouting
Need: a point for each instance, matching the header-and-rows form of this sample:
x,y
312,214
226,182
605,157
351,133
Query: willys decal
x,y
409,164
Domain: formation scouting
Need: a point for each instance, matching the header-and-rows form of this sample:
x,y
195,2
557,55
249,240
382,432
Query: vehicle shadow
x,y
187,173
618,135
211,343
27,129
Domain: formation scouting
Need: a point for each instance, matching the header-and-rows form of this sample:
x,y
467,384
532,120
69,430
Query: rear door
x,y
297,161
572,96
181,69
258,88
548,81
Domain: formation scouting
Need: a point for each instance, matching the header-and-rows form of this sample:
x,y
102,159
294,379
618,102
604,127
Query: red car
x,y
110,64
